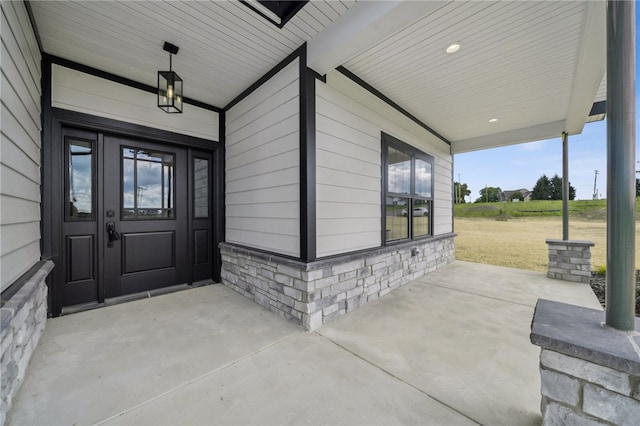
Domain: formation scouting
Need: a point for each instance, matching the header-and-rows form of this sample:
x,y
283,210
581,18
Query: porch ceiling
x,y
535,66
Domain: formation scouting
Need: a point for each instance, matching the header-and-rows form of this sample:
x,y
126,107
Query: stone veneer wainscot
x,y
24,317
315,293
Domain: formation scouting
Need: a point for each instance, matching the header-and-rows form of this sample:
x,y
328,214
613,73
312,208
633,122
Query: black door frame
x,y
52,170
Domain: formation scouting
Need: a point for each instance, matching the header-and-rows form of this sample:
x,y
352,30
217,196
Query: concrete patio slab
x,y
93,364
449,348
304,379
461,335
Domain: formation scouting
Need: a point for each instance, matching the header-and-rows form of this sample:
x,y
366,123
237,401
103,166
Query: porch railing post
x,y
621,200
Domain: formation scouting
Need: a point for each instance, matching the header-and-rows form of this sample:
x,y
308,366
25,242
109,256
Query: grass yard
x,y
520,242
582,209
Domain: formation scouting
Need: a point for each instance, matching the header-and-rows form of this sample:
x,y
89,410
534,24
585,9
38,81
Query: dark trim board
x,y
219,204
34,27
121,80
46,179
307,160
388,101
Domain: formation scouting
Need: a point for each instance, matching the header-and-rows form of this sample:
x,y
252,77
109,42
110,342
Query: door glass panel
x,y
128,182
397,218
399,172
200,188
148,181
80,180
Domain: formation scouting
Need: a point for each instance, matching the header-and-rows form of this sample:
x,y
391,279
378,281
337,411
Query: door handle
x,y
112,234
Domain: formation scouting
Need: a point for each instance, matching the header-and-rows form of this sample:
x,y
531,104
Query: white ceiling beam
x,y
362,26
511,137
590,67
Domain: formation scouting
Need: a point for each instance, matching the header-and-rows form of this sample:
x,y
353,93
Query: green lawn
x,y
587,209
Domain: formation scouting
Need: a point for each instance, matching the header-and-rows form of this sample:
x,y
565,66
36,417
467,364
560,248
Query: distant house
x,y
509,195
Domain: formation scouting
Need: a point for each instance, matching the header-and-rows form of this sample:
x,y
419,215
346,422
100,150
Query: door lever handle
x,y
112,234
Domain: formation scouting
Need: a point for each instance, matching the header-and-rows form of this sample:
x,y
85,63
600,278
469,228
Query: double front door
x,y
137,216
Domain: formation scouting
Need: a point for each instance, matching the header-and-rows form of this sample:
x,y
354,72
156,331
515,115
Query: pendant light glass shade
x,y
169,92
170,85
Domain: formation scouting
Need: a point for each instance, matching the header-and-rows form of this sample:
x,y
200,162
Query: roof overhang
x,y
538,67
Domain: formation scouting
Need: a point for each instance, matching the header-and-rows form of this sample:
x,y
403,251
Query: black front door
x,y
129,208
145,216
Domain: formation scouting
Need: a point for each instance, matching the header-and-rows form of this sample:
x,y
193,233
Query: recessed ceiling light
x,y
493,120
453,48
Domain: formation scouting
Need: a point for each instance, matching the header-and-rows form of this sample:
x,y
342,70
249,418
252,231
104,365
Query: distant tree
x,y
572,192
489,194
550,189
462,192
542,189
556,189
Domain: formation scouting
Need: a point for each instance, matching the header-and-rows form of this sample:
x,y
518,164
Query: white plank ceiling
x,y
224,46
535,66
518,62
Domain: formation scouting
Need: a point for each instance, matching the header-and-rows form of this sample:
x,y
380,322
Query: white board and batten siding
x,y
263,166
20,153
349,122
77,91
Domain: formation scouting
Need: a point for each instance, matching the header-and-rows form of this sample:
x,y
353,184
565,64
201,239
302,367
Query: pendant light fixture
x,y
170,85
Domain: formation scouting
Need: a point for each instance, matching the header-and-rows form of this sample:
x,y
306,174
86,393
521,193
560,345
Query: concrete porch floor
x,y
450,348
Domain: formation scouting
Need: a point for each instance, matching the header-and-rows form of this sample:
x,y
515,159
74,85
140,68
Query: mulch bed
x,y
598,284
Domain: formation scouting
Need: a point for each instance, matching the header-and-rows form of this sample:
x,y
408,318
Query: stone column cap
x,y
582,243
580,332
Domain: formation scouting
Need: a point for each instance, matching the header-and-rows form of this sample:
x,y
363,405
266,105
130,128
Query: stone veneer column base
x,y
312,294
570,260
590,373
24,317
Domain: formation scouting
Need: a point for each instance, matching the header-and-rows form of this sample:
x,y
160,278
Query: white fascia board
x,y
361,27
511,137
590,66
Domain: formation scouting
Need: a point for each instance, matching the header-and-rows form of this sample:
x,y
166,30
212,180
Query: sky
x,y
520,166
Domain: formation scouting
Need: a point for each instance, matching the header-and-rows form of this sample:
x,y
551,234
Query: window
x,y
407,190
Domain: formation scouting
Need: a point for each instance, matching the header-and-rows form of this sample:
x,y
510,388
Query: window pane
x,y
128,181
80,180
397,219
200,187
423,178
399,172
148,182
149,190
421,215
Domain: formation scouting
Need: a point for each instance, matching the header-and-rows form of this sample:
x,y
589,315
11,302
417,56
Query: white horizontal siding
x,y
349,122
262,169
81,92
20,144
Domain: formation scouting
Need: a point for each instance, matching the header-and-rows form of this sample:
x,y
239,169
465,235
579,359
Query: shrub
x,y
601,270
